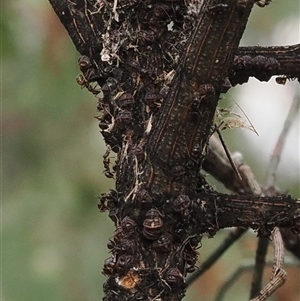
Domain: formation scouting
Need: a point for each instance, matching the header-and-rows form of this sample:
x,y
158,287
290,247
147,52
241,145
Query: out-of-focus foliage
x,y
53,237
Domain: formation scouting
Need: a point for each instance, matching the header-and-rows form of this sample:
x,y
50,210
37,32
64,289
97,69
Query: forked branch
x,y
160,92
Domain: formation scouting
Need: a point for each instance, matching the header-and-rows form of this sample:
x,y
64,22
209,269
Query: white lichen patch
x,y
193,7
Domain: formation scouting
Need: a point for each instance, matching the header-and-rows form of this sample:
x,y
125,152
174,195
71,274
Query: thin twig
x,y
270,189
228,153
246,265
260,261
275,158
216,163
278,273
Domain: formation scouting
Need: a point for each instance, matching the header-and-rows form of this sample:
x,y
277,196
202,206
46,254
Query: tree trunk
x,y
162,67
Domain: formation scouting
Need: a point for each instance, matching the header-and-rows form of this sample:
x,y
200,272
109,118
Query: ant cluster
x,y
88,75
259,66
137,54
140,51
123,248
110,202
115,106
159,233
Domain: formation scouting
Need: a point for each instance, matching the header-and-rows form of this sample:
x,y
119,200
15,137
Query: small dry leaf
x,y
231,122
228,119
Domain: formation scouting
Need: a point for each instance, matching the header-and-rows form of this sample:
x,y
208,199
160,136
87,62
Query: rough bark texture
x,y
161,66
265,62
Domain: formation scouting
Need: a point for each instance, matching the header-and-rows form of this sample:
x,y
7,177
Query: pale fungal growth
x,y
98,5
116,15
149,124
111,44
194,7
168,77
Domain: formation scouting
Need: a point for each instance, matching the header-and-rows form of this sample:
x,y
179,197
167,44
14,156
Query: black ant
x,y
106,164
83,83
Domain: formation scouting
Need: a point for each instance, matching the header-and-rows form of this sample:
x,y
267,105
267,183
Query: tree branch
x,y
217,164
231,238
83,26
217,211
159,124
259,62
265,62
184,122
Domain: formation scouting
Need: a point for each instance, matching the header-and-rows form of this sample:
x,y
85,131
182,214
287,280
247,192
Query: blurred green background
x,y
53,237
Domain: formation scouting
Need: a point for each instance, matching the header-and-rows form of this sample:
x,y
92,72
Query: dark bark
x,y
160,91
259,213
265,62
